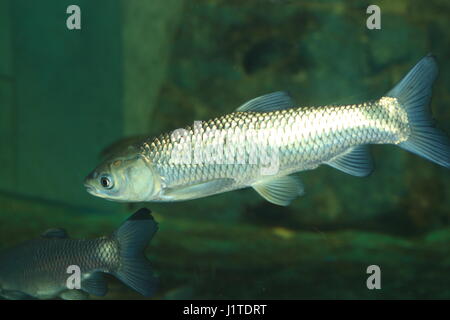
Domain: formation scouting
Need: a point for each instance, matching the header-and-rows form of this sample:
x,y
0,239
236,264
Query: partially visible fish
x,y
268,139
40,268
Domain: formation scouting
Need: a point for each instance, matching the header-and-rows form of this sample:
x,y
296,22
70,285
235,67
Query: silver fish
x,y
268,139
41,268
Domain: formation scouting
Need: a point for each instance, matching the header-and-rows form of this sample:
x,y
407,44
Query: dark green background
x,y
147,66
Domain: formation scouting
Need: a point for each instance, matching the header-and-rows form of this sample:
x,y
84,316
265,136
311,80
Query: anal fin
x,y
355,161
280,190
95,284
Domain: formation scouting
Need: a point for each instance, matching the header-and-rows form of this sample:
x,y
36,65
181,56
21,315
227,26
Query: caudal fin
x,y
133,237
414,93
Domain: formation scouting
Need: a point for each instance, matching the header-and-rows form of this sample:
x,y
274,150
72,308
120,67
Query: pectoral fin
x,y
280,190
198,190
270,102
74,295
15,295
356,161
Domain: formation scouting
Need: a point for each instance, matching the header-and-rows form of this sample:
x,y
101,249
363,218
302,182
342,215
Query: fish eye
x,y
106,182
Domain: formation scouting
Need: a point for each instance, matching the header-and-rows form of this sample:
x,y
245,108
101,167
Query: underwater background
x,y
145,67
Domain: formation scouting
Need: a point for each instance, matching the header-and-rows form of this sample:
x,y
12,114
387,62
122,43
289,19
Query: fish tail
x,y
133,236
413,93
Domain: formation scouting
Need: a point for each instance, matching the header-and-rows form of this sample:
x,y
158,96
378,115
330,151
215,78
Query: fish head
x,y
124,179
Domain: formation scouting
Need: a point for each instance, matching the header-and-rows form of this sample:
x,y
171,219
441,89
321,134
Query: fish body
x,y
268,139
41,268
299,139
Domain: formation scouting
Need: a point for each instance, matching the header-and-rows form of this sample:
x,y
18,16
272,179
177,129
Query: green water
x,y
150,66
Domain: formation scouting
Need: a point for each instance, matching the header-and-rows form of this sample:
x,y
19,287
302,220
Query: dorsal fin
x,y
55,233
269,102
355,161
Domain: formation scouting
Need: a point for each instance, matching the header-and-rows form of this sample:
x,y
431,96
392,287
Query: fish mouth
x,y
91,190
